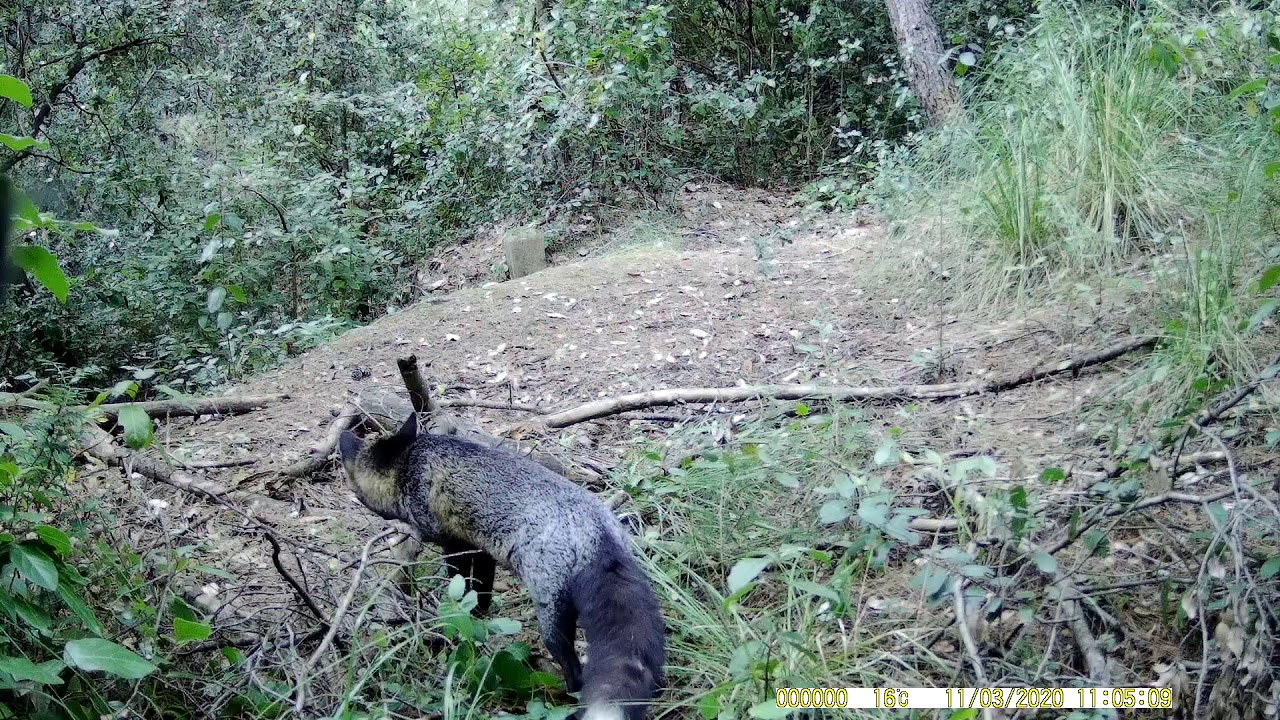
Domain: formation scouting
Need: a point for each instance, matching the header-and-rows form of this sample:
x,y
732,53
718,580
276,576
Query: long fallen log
x,y
744,393
180,407
192,407
421,400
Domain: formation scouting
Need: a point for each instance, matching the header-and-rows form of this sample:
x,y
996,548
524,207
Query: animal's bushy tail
x,y
625,636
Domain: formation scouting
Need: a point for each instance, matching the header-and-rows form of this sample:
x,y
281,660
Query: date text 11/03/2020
x,y
1135,698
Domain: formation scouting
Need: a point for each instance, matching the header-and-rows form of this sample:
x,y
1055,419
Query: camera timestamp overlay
x,y
1008,698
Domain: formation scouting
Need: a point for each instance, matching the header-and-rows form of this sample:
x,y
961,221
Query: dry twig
x,y
338,615
1095,662
966,637
1212,414
298,589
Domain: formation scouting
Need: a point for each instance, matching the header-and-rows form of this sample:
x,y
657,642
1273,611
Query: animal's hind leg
x,y
473,564
559,624
483,568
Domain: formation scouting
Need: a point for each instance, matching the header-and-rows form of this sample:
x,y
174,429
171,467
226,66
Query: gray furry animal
x,y
482,505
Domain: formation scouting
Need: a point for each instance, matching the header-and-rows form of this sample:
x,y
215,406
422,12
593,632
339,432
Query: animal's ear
x,y
409,430
349,445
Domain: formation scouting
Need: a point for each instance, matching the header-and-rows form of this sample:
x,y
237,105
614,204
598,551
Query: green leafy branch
x,y
34,260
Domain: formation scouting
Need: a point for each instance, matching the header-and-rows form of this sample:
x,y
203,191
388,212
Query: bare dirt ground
x,y
741,287
700,308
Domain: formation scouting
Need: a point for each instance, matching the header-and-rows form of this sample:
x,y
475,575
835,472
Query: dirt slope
x,y
699,308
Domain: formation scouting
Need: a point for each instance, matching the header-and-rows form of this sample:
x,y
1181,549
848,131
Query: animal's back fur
x,y
539,524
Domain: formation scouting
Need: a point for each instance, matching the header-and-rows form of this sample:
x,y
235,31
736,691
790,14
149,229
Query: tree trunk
x,y
920,46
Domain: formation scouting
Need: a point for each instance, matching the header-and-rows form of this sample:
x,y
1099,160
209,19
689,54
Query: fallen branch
x,y
1212,414
1074,601
617,500
298,590
1085,524
1240,394
441,423
182,407
99,444
338,614
966,637
1195,458
744,393
1072,605
192,407
1072,366
925,524
1236,482
1095,662
215,464
489,405
319,453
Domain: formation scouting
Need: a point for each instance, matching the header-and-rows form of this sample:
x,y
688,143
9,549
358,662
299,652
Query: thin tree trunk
x,y
920,45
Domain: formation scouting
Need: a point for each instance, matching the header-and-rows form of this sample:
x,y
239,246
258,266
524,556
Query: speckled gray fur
x,y
558,538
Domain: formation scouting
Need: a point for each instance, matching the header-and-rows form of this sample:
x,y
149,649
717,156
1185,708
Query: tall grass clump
x,y
1215,316
1074,151
1106,140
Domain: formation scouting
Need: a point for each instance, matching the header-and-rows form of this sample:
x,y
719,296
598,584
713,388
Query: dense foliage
x,y
271,174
